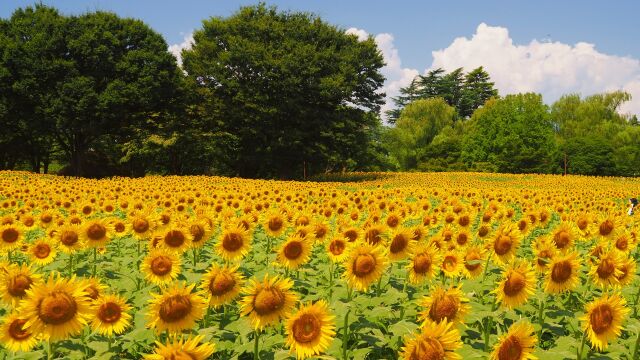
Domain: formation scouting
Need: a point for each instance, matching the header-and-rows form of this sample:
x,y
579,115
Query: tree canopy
x,y
296,92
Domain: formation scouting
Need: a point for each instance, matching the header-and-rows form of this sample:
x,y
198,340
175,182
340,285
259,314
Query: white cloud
x,y
397,76
550,68
176,49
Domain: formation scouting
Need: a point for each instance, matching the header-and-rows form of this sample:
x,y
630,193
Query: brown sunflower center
x,y
292,250
606,268
18,285
96,231
92,291
449,263
197,231
562,238
16,330
352,235
10,235
268,300
161,265
622,243
232,241
393,221
221,284
483,231
561,272
462,239
514,284
502,245
109,312
443,307
363,265
69,238
306,328
275,224
398,244
373,236
543,256
421,263
464,220
119,226
472,257
337,247
175,308
174,238
601,318
428,349
41,250
582,223
140,225
510,349
606,227
57,308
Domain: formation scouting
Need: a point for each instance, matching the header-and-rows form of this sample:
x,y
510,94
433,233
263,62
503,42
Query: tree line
x,y
267,93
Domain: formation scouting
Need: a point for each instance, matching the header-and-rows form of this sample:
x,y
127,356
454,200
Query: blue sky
x,y
417,28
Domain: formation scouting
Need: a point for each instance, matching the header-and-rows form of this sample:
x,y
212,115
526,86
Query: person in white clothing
x,y
633,202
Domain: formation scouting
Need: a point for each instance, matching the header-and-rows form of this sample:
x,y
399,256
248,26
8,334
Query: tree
x,y
580,121
514,134
420,122
465,92
295,91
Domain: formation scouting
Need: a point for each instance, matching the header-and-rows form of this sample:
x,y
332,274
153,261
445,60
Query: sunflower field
x,y
391,266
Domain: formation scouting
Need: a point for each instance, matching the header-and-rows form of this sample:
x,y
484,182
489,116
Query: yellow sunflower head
x,y
517,285
69,239
111,315
234,243
603,319
364,265
15,283
161,266
295,252
268,301
424,263
517,344
182,348
563,273
42,251
435,341
338,249
444,305
96,233
310,330
221,284
15,336
176,309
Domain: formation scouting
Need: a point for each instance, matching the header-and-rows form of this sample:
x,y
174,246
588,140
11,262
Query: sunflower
x,y
375,234
295,252
517,344
401,244
268,301
189,348
120,227
161,266
234,243
96,233
608,226
143,223
338,249
603,319
605,271
517,285
275,223
15,336
42,252
435,341
11,236
444,305
222,284
310,330
506,242
176,238
321,230
564,236
364,265
200,231
352,234
68,238
175,309
15,283
563,274
111,315
452,264
94,287
545,252
627,269
424,263
57,308
473,261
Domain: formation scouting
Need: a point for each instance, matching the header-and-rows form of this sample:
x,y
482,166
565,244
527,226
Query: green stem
x,y
345,335
256,355
49,350
70,264
194,257
378,288
541,318
110,342
635,303
486,268
331,280
581,348
95,260
636,350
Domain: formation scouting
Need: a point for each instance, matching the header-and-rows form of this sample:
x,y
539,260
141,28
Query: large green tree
x,y
300,95
512,134
419,123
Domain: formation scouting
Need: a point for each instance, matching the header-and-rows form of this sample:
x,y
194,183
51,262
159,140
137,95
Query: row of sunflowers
x,y
411,266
